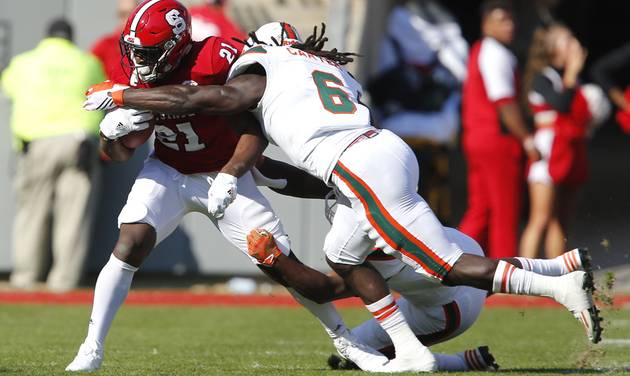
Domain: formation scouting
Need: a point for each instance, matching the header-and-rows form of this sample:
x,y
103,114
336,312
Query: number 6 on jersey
x,y
334,98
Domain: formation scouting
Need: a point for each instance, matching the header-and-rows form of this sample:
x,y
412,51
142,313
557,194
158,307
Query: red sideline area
x,y
185,298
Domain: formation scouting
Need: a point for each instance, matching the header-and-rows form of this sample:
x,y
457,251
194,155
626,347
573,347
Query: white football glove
x,y
99,96
221,194
122,121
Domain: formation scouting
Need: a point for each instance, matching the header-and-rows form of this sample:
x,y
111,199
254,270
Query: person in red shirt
x,y
107,49
494,136
210,19
187,172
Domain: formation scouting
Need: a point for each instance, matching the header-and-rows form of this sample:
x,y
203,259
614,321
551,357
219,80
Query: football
x,y
136,139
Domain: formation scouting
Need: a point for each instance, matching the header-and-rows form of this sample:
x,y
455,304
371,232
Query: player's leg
x,y
573,260
152,212
436,324
379,177
403,225
573,290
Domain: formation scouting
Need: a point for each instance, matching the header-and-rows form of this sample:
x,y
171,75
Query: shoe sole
x,y
585,260
589,286
488,357
336,362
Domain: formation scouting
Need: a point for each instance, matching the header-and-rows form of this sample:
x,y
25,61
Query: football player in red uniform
x,y
186,171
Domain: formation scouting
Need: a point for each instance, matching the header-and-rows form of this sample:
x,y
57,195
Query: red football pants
x,y
495,183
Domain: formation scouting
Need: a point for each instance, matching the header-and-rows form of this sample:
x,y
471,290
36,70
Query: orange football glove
x,y
104,96
262,246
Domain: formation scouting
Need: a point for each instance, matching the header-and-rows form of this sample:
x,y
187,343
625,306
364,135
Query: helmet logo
x,y
175,19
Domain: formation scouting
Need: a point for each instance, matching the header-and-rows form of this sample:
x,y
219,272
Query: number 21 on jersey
x,y
168,137
334,98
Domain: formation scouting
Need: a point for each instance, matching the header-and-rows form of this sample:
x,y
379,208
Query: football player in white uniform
x,y
435,313
310,107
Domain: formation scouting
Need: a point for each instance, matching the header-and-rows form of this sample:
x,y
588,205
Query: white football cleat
x,y
575,292
351,348
423,361
88,359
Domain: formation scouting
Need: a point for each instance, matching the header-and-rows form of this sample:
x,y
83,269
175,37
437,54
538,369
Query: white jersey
x,y
310,108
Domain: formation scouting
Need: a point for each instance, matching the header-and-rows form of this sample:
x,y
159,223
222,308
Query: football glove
x,y
221,194
104,96
262,246
122,121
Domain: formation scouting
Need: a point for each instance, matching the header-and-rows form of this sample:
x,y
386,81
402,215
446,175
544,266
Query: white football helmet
x,y
274,34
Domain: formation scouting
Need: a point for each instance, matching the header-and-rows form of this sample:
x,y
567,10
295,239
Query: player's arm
x,y
239,94
288,270
288,180
249,148
314,285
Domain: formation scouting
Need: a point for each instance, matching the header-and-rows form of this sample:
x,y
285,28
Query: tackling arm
x,y
312,284
249,148
298,183
239,94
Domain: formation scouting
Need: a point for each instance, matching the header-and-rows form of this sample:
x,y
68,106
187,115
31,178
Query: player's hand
x,y
221,194
101,97
262,246
122,121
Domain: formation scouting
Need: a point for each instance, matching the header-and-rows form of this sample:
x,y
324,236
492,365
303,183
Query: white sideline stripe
x,y
616,341
139,15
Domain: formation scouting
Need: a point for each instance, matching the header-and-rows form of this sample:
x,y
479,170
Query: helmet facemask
x,y
148,63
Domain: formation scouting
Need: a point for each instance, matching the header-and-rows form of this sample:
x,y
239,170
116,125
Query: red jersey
x,y
491,81
107,50
194,143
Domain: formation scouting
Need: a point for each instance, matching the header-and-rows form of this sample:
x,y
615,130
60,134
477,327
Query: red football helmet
x,y
156,37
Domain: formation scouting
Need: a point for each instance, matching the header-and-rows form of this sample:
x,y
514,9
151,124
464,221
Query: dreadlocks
x,y
314,45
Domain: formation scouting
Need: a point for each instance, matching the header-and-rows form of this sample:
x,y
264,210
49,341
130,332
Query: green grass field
x,y
42,340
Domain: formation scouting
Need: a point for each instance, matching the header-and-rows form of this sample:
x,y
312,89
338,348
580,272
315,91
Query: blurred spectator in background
x,y
561,117
612,74
58,159
494,136
417,91
210,19
107,49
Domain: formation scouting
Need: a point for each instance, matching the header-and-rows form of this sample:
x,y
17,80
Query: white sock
x,y
508,279
564,264
111,289
451,363
326,314
405,342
